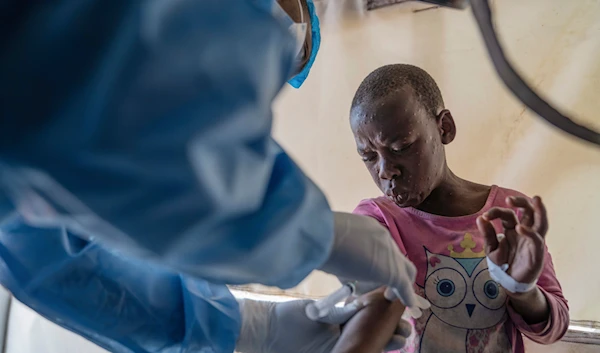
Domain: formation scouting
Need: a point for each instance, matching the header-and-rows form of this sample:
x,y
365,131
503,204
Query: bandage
x,y
415,312
321,308
498,274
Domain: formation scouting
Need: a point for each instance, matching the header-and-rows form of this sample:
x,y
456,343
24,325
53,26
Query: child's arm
x,y
371,328
555,324
532,306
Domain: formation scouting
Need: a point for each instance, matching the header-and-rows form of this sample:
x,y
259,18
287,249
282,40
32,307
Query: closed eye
x,y
367,157
401,149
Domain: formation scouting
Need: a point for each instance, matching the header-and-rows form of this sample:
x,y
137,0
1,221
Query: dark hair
x,y
391,78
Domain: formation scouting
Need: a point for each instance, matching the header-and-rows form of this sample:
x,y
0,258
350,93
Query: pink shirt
x,y
469,312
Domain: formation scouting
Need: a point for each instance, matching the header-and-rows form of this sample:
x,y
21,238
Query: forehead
x,y
396,116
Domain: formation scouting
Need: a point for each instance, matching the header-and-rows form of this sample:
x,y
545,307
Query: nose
x,y
387,170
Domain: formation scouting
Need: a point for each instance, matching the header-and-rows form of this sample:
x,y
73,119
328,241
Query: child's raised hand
x,y
523,244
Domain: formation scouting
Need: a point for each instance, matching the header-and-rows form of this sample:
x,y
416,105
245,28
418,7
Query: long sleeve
x,y
145,125
557,324
122,304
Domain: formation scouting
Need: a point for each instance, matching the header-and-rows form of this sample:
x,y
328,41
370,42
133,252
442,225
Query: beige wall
x,y
556,43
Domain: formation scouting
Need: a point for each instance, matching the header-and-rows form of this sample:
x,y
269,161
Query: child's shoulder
x,y
500,194
380,202
376,207
381,207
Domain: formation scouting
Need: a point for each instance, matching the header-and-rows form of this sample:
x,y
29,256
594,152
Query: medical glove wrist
x,y
255,323
284,327
364,251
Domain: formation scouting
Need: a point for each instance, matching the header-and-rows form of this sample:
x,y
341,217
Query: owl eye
x,y
491,290
445,287
488,292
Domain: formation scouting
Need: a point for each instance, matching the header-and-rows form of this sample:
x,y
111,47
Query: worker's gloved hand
x,y
364,251
269,327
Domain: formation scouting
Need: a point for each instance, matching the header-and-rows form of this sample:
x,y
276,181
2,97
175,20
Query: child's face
x,y
402,146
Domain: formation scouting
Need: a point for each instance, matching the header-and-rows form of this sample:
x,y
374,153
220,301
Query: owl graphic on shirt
x,y
468,308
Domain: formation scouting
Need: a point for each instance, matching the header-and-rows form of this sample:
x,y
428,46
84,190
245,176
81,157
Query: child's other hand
x,y
523,246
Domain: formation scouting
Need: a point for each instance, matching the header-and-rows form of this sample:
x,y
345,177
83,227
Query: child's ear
x,y
446,125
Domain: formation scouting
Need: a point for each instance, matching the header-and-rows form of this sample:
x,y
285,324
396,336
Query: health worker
x,y
138,176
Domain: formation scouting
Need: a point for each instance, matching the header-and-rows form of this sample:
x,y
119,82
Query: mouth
x,y
402,199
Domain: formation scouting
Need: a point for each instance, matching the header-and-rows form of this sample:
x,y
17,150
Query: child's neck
x,y
455,197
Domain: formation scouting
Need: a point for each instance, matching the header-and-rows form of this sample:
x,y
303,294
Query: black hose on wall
x,y
518,86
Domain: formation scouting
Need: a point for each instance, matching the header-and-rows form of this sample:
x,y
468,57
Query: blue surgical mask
x,y
297,30
299,79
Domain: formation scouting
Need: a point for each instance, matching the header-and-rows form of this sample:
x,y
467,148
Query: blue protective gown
x,y
137,171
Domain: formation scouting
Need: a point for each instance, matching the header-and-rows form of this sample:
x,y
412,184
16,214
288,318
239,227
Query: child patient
x,y
447,225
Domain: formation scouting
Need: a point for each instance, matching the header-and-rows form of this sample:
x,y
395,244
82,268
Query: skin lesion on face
x,y
401,145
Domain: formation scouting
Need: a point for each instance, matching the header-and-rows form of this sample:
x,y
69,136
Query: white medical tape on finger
x,y
415,312
340,315
498,274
